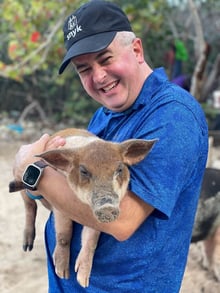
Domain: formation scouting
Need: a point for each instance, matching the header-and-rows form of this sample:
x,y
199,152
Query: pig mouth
x,y
107,213
106,208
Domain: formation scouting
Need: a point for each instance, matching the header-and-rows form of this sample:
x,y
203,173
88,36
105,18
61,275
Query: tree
x,y
32,49
32,33
196,23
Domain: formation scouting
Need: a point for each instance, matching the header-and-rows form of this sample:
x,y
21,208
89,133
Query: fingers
x,y
55,143
44,138
36,147
26,155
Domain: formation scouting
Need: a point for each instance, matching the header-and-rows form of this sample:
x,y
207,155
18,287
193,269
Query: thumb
x,y
44,138
40,144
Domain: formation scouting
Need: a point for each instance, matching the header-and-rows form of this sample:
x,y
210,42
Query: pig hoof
x,y
107,214
62,273
84,282
27,247
61,263
83,273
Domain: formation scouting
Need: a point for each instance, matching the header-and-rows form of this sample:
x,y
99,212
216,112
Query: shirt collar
x,y
150,87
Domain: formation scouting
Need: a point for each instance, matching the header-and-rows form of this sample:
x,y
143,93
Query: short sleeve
x,y
161,176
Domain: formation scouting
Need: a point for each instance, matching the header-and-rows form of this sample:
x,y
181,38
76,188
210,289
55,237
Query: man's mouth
x,y
110,87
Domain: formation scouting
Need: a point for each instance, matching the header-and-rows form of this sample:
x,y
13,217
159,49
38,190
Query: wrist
x,y
20,168
33,174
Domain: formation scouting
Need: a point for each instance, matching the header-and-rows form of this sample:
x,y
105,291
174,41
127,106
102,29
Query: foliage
x,y
32,49
33,36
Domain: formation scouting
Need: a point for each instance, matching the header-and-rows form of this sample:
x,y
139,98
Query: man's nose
x,y
99,74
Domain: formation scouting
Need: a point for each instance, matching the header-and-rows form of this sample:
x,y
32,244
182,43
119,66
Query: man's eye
x,y
106,60
83,70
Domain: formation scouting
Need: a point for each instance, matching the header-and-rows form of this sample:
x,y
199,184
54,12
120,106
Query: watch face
x,y
31,175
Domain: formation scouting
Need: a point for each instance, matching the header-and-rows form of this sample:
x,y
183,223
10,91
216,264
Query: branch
x,y
197,25
212,79
173,27
33,105
46,45
201,51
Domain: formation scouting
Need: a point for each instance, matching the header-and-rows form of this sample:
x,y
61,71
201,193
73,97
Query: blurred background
x,y
182,36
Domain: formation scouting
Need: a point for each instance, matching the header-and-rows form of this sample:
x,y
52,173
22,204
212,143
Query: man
x,y
145,249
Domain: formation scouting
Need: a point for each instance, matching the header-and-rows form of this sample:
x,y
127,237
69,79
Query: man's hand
x,y
26,153
55,143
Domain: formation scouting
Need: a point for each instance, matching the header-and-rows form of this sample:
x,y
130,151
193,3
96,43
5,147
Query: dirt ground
x,y
26,271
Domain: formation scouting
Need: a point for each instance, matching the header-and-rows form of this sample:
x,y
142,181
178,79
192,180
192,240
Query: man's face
x,y
113,77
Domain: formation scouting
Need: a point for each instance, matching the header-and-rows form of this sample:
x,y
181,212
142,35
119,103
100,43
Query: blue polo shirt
x,y
153,259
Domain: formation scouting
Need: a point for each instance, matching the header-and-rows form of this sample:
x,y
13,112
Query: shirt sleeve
x,y
162,176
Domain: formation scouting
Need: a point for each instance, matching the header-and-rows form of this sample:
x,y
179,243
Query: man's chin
x,y
116,108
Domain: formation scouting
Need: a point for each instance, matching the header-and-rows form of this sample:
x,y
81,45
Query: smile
x,y
110,87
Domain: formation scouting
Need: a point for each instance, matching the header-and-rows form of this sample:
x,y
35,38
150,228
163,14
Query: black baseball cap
x,y
91,28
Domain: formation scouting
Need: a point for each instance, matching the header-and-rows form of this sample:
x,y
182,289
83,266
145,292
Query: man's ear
x,y
138,50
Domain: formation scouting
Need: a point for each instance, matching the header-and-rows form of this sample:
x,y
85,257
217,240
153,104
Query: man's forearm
x,y
133,211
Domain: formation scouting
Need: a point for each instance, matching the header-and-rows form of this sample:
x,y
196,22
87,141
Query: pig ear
x,y
59,158
135,150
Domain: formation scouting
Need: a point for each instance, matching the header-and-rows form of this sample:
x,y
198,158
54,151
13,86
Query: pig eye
x,y
120,169
84,172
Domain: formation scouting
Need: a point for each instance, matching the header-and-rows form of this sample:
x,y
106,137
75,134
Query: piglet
x,y
98,173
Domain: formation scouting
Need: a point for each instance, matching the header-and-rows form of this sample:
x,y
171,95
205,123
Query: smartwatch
x,y
32,174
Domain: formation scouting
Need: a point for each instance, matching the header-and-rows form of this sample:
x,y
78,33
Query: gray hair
x,y
125,38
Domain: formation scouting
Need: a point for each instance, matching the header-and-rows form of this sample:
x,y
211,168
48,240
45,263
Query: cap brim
x,y
87,45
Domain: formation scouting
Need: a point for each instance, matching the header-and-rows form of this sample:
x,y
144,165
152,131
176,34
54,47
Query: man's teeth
x,y
108,88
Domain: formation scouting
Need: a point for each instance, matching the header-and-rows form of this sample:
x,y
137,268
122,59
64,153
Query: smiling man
x,y
146,248
110,77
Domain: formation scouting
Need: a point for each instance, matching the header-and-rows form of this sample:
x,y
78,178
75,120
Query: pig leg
x,y
30,217
83,265
61,255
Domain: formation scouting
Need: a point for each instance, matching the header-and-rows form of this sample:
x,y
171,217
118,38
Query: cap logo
x,y
73,27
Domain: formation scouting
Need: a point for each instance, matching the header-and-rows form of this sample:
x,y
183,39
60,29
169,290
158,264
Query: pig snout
x,y
107,213
106,208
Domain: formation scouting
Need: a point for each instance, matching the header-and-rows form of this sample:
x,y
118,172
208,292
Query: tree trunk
x,y
213,80
201,52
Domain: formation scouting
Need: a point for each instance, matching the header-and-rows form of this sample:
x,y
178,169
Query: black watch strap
x,y
41,164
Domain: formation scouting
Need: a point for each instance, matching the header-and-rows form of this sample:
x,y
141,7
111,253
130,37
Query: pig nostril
x,y
104,201
107,214
98,203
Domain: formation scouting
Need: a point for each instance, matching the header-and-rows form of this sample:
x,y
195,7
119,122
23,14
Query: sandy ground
x,y
26,271
19,271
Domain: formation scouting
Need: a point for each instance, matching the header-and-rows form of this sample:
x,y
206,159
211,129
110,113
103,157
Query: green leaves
x,y
32,30
29,30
